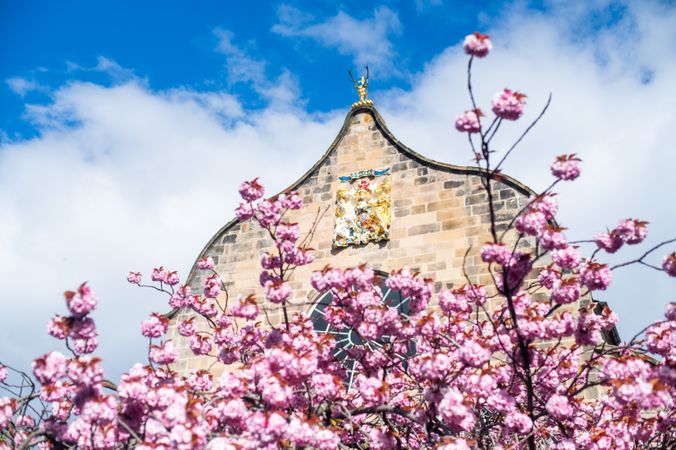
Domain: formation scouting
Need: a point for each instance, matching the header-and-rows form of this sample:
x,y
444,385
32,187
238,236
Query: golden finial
x,y
362,89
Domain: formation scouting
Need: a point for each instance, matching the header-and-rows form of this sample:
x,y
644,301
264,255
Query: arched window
x,y
347,338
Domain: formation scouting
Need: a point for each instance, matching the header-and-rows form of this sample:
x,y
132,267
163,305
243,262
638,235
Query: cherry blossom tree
x,y
522,363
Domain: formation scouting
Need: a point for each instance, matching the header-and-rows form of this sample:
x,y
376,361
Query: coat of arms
x,y
363,209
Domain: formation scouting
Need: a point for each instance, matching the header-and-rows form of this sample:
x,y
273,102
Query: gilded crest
x,y
363,209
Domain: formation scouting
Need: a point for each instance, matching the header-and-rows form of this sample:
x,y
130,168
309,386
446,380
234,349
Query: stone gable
x,y
439,211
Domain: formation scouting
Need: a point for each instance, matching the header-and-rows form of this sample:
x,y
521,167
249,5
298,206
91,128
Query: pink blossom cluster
x,y
251,190
508,104
155,327
77,328
628,231
206,263
159,274
134,277
469,121
669,264
477,44
566,167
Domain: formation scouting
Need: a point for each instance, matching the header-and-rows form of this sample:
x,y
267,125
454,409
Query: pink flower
x,y
497,253
532,222
205,263
50,367
610,242
475,293
134,277
546,204
566,291
567,259
59,327
451,303
291,200
477,44
566,167
552,238
500,401
371,389
474,354
455,444
669,264
269,262
588,331
212,286
277,291
595,276
200,345
632,231
454,412
325,385
469,121
670,313
273,392
244,212
251,190
154,327
299,256
200,381
559,407
245,307
518,422
518,267
660,338
163,354
288,232
508,105
84,346
187,327
81,302
268,213
3,373
83,328
158,274
326,440
7,409
549,276
381,439
172,278
328,279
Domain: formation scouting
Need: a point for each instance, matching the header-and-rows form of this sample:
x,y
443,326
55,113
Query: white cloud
x,y
366,41
124,177
22,86
105,65
241,67
422,5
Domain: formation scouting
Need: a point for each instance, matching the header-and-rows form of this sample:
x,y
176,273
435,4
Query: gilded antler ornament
x,y
362,89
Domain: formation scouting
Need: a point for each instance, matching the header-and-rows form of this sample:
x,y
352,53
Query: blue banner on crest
x,y
365,173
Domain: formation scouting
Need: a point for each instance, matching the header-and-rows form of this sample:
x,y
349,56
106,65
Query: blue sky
x,y
126,127
172,43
